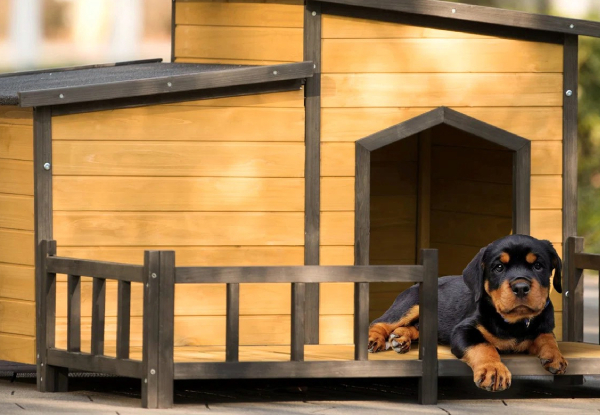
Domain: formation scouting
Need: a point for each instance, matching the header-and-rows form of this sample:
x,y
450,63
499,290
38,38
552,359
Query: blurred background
x,y
55,33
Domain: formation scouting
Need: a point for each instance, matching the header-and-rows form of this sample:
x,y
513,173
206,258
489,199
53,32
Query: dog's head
x,y
515,273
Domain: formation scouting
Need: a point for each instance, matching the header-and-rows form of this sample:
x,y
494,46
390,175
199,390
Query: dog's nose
x,y
521,288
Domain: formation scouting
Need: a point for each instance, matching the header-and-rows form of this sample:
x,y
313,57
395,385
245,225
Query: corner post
x,y
573,293
428,327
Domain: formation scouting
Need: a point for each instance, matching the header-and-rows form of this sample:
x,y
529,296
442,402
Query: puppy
x,y
501,304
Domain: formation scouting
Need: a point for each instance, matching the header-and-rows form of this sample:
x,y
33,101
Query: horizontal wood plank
x,y
351,124
467,228
16,142
17,282
178,159
470,164
432,90
17,247
16,348
454,258
239,14
286,99
336,298
96,269
179,229
16,212
337,228
472,197
440,56
13,115
336,255
546,192
337,193
182,123
193,255
337,159
546,157
215,194
16,177
268,43
17,317
547,224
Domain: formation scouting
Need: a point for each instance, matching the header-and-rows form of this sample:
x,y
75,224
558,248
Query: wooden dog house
x,y
285,134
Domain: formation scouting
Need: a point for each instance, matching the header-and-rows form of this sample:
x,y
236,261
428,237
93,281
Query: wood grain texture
x,y
76,193
337,255
182,123
223,61
467,229
472,197
182,229
432,90
336,298
16,247
17,317
16,212
287,99
17,348
239,14
17,282
337,228
178,159
337,159
13,115
546,192
351,124
547,224
268,43
337,193
439,55
16,177
16,142
546,157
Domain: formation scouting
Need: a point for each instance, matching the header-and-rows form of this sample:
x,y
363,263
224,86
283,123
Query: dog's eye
x,y
499,268
537,266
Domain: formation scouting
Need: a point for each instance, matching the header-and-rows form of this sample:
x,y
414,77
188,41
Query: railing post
x,y
298,314
428,327
51,378
361,320
159,308
573,293
232,333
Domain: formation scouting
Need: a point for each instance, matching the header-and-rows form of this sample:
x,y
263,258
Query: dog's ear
x,y
473,275
557,265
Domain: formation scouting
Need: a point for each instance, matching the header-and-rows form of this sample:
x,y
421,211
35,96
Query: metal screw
x,y
42,365
41,379
314,13
38,356
145,380
169,84
569,92
315,66
453,11
153,275
275,72
61,96
566,294
152,372
46,166
572,26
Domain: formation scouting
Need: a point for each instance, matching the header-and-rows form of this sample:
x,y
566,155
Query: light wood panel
x,y
336,329
239,14
16,247
440,55
336,298
546,192
351,124
17,282
546,157
16,348
16,212
13,115
178,159
182,123
427,90
343,27
336,255
17,317
16,177
287,99
280,43
547,224
16,142
337,159
337,193
179,229
337,228
193,256
177,194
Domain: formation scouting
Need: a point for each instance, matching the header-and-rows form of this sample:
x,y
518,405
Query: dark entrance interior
x,y
440,188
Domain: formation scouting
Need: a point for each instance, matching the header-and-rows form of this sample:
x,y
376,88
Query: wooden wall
x,y
378,74
17,281
245,32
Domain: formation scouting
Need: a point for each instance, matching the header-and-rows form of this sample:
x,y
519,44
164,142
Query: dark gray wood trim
x,y
489,15
522,190
295,370
573,292
428,327
173,27
362,208
132,102
73,313
150,330
297,315
232,332
97,364
305,274
166,324
587,261
98,269
361,321
312,171
167,84
123,319
98,315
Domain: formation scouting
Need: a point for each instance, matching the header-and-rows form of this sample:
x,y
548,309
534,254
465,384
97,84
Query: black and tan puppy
x,y
501,304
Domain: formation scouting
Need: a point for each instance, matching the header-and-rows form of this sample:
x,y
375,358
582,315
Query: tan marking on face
x,y
531,257
505,345
514,309
504,258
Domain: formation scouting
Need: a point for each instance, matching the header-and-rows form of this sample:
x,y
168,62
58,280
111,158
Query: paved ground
x,y
120,396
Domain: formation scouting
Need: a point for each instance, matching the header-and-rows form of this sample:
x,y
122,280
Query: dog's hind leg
x,y
380,331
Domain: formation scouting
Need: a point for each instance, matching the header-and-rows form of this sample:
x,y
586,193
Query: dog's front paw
x,y
553,362
400,341
376,342
493,377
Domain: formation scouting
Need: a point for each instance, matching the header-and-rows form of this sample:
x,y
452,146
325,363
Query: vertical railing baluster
x,y
98,315
123,319
428,327
73,313
232,334
298,318
361,320
573,288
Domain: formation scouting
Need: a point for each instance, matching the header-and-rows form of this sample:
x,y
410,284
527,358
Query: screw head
x,y
314,13
453,11
46,166
42,365
566,293
38,356
569,92
169,84
275,72
145,380
41,379
153,275
572,26
61,96
152,372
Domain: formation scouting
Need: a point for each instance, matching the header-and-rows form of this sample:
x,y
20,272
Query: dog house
x,y
334,133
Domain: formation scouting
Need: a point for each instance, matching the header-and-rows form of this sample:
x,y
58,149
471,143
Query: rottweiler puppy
x,y
501,304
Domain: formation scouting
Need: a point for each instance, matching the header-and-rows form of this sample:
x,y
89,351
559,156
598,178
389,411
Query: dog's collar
x,y
527,321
